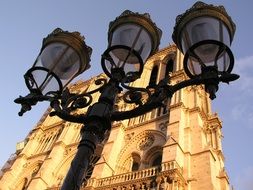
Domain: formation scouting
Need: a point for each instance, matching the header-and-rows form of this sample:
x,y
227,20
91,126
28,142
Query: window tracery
x,y
48,138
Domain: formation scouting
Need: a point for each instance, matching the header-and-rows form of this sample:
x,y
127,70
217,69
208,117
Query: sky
x,y
23,25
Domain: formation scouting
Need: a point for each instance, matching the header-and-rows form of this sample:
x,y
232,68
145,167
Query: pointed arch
x,y
136,161
169,67
153,76
169,64
154,156
30,171
139,145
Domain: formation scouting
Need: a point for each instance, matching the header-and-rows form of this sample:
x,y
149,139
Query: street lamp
x,y
204,34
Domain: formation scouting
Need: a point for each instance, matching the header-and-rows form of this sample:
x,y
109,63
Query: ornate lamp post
x,y
204,34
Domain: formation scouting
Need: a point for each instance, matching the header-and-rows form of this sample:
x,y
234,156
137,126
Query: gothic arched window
x,y
136,162
169,67
153,76
153,157
157,160
135,166
48,139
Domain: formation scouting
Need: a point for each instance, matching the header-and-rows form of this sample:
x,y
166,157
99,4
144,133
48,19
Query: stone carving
x,y
162,126
129,136
146,142
35,170
68,150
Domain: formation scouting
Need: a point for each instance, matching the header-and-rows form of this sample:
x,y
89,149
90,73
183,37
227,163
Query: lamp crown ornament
x,y
201,9
74,39
143,20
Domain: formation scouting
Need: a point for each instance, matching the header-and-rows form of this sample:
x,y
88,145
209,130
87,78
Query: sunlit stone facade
x,y
177,147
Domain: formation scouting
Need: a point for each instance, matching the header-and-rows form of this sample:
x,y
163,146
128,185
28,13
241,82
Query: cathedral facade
x,y
175,147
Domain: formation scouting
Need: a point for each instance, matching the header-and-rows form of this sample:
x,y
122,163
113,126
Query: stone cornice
x,y
22,155
223,175
179,74
202,114
188,152
163,51
46,153
60,143
174,143
53,125
159,118
203,152
214,119
177,105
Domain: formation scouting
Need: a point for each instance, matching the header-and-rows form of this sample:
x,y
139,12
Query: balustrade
x,y
132,176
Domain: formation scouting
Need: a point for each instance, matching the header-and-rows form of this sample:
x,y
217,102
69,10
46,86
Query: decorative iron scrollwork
x,y
135,95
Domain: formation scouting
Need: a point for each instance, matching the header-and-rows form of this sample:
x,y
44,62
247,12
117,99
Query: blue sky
x,y
25,23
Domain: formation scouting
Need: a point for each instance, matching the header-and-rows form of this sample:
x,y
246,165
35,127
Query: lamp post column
x,y
98,122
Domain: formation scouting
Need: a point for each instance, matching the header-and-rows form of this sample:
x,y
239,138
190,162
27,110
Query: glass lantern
x,y
63,56
204,34
132,38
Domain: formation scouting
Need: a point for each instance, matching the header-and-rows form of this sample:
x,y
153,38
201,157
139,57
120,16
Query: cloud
x,y
243,63
244,179
245,111
242,92
238,111
244,67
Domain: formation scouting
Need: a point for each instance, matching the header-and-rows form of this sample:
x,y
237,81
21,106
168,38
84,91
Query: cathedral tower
x,y
175,147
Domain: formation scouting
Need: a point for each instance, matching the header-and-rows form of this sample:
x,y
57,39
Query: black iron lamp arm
x,y
58,111
64,103
30,100
164,91
68,102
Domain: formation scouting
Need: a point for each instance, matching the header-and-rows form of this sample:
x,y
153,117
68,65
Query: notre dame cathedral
x,y
175,147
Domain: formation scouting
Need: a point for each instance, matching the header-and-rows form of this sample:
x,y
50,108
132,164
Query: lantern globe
x,y
64,55
132,38
204,34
